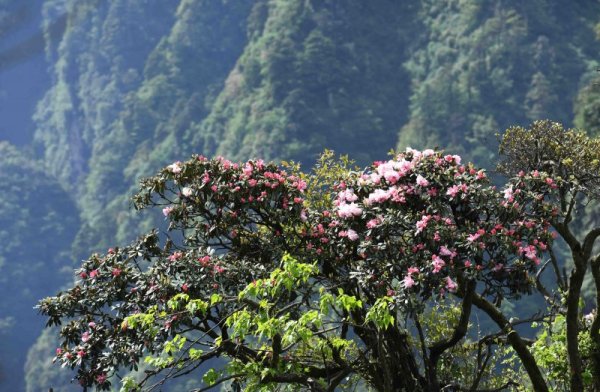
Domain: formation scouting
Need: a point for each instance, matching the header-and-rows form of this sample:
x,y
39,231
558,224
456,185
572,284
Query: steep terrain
x,y
134,85
38,222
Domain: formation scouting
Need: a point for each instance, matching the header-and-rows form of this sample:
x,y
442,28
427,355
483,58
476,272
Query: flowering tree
x,y
303,282
563,166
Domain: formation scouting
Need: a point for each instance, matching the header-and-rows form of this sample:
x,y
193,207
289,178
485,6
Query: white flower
x,y
187,191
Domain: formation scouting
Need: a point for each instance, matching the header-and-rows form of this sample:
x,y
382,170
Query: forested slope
x,y
38,222
133,85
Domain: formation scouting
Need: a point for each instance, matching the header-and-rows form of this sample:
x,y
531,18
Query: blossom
x,y
187,191
347,195
204,261
438,263
301,185
421,181
451,285
219,269
444,251
378,196
349,210
453,191
508,194
408,281
101,378
391,176
373,223
352,235
94,274
248,169
175,256
413,270
116,272
303,217
85,336
422,223
473,237
167,210
175,168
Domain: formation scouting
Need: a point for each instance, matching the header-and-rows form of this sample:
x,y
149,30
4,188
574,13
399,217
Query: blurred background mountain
x,y
96,94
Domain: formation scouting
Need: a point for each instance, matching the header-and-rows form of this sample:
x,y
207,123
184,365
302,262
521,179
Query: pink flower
x,y
373,223
421,181
408,282
422,223
101,378
116,272
85,337
219,269
451,285
352,235
347,195
167,210
301,186
438,263
94,274
92,324
59,351
81,353
473,237
391,176
444,251
453,191
349,210
508,194
378,196
175,168
174,257
303,217
467,263
248,169
413,270
204,261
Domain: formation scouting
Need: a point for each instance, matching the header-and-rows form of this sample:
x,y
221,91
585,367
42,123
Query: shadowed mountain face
x,y
38,222
103,93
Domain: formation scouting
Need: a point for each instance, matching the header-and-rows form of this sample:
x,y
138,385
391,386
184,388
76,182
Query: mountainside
x,y
134,85
38,222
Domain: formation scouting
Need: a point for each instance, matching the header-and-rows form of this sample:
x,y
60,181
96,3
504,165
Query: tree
x,y
310,282
569,161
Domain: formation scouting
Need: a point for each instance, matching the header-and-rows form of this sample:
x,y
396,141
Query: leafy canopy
x,y
304,281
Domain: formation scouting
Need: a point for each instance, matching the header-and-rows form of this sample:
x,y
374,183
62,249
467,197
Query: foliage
x,y
484,65
569,161
297,294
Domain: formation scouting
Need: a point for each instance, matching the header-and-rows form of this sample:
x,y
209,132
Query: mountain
x,y
134,85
